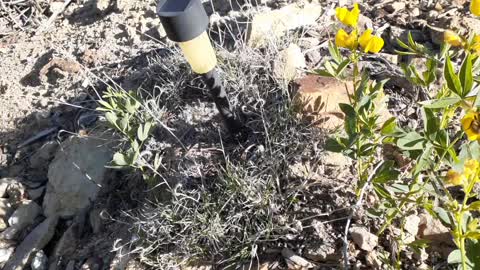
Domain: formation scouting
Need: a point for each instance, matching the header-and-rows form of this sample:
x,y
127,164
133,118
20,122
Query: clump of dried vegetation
x,y
212,197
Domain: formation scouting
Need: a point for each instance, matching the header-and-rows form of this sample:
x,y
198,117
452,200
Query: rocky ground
x,y
61,208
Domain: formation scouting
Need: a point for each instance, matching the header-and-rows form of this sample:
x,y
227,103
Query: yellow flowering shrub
x,y
442,154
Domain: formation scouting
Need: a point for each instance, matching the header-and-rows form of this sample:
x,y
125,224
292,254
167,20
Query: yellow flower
x,y
470,167
454,178
349,18
471,125
370,43
452,38
475,7
349,41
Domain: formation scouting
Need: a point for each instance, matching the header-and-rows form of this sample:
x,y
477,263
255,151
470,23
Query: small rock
x,y
102,5
373,261
335,159
395,6
415,12
290,256
56,7
274,24
5,254
432,229
321,252
411,225
44,155
3,224
39,261
363,238
16,192
36,240
11,233
287,66
4,183
92,264
75,176
25,215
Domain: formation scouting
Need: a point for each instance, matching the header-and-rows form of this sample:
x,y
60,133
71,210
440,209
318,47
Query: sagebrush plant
x,y
443,153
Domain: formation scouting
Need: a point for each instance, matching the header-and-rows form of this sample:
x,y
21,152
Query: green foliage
x,y
124,115
419,154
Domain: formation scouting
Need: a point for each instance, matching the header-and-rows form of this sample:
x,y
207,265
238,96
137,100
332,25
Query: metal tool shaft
x,y
219,95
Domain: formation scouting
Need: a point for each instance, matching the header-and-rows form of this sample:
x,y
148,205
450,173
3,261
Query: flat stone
x,y
363,238
25,215
275,23
75,176
320,97
36,240
432,229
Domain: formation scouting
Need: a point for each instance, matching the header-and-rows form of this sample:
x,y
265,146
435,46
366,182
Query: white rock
x,y
35,240
363,238
274,24
289,62
432,229
25,215
5,254
39,261
75,176
412,223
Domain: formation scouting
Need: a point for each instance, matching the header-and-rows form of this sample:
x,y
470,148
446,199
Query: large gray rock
x,y
35,241
25,215
75,176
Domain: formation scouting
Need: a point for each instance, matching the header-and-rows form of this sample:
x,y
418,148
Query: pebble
x,y
363,238
39,261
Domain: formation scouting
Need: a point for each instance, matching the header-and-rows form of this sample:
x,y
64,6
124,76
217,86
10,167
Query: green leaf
x,y
455,257
386,172
431,122
123,123
334,52
105,104
334,145
119,159
324,73
453,82
411,141
466,75
475,206
442,215
424,160
402,44
111,118
473,235
143,131
442,103
473,253
342,66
